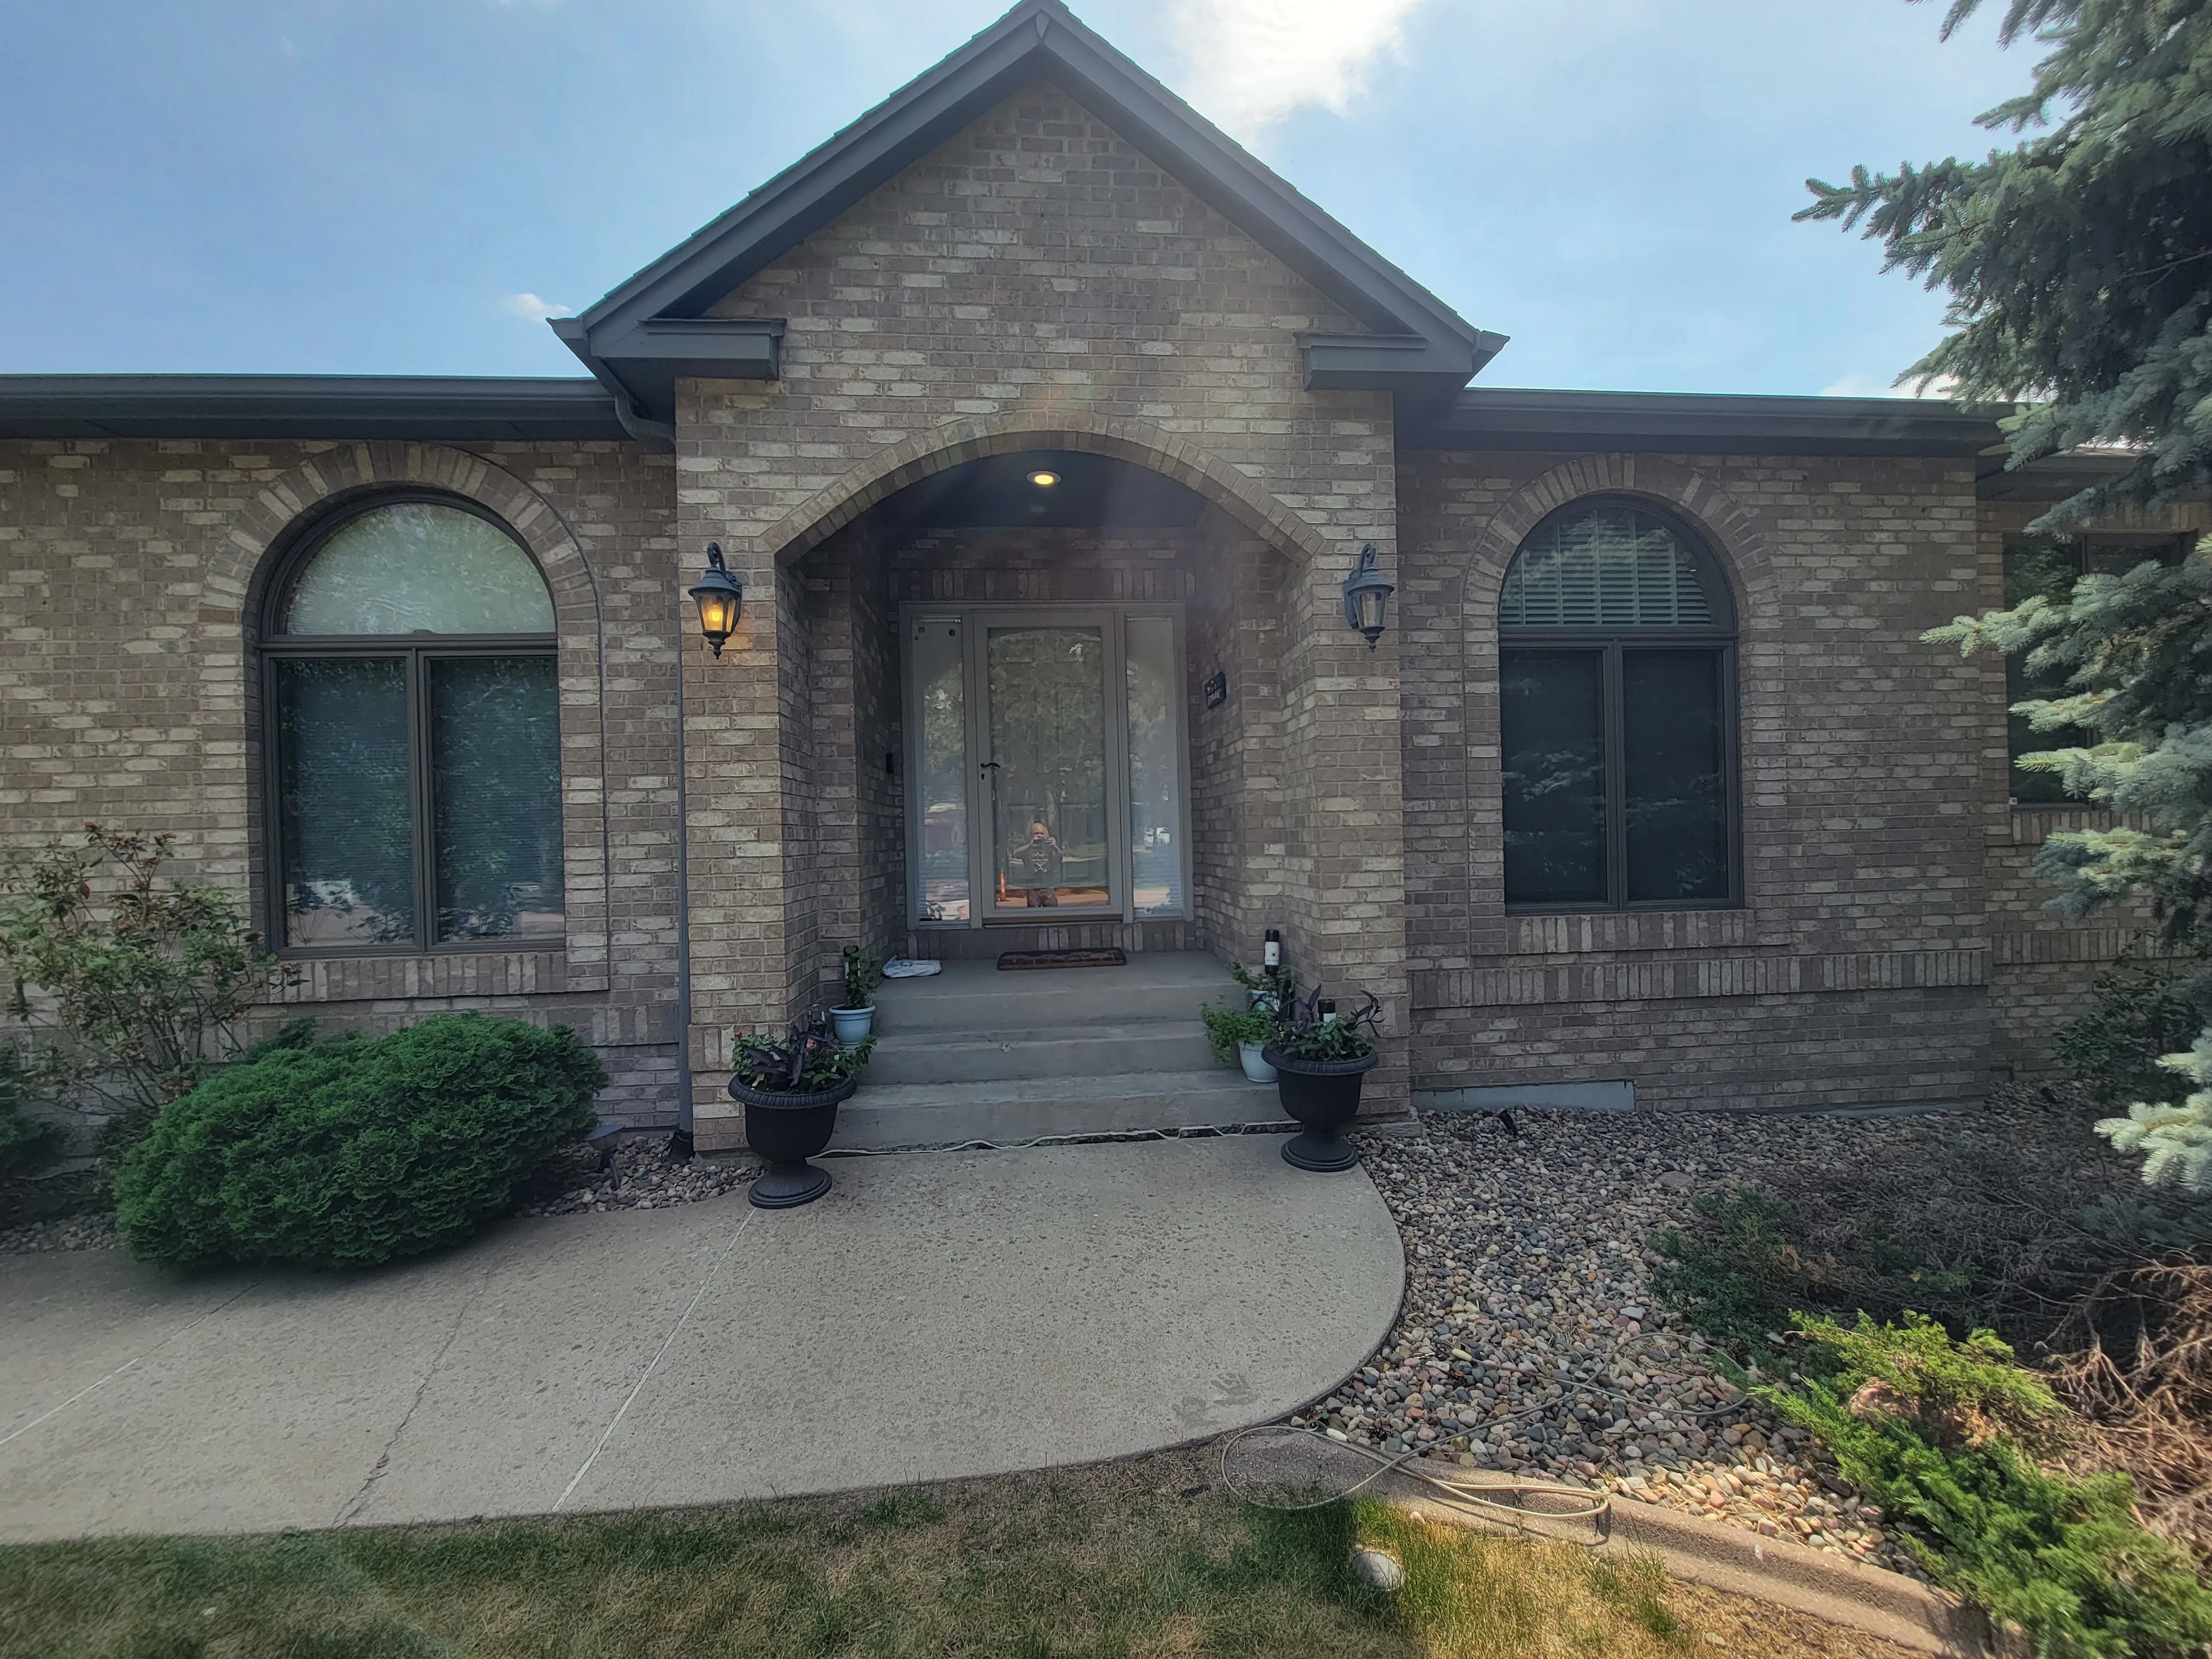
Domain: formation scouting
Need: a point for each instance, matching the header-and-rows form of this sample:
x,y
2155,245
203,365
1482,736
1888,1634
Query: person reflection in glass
x,y
1034,866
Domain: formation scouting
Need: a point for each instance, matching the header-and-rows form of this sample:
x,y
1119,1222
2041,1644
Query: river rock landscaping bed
x,y
66,1232
639,1175
1530,1341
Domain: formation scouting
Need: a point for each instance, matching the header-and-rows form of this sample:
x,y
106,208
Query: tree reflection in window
x,y
414,735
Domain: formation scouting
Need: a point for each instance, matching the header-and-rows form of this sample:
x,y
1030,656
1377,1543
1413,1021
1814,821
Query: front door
x,y
1047,756
1045,764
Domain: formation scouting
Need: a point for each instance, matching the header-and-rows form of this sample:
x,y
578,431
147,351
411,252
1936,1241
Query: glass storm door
x,y
1046,764
1045,770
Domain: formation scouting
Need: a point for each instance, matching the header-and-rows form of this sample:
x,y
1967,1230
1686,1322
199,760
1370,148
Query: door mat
x,y
1111,957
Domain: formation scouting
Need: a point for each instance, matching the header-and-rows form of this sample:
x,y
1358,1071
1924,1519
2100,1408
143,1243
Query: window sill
x,y
2029,822
539,970
1575,931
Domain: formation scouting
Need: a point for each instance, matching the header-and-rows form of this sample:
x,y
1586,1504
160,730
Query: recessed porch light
x,y
1044,478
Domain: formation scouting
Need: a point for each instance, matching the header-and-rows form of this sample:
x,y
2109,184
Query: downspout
x,y
680,1142
680,1145
651,434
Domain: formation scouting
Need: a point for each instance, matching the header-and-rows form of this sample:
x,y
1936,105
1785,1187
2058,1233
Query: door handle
x,y
990,766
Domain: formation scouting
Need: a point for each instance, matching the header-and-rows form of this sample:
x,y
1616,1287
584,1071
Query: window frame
x,y
1716,638
417,652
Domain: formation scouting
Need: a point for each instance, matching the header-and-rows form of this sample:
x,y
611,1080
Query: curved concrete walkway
x,y
937,1316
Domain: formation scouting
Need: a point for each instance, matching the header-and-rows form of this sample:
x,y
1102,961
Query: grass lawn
x,y
1145,1558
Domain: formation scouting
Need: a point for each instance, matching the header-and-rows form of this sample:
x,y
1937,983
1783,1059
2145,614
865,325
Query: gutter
x,y
1502,418
463,409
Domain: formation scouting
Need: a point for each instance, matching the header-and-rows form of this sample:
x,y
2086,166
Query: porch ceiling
x,y
1090,491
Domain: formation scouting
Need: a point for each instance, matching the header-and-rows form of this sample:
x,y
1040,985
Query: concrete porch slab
x,y
937,1316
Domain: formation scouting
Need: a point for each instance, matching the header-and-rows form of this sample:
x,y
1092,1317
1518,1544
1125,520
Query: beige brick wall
x,y
130,573
1036,282
1858,967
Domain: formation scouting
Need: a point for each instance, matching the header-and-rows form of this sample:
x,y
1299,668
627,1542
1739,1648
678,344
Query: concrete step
x,y
976,996
882,1117
1019,1053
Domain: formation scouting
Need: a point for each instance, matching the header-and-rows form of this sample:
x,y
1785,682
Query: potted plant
x,y
854,1016
1320,1058
1269,990
790,1087
1238,1035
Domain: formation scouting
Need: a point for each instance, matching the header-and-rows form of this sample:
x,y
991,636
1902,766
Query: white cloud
x,y
1251,63
531,309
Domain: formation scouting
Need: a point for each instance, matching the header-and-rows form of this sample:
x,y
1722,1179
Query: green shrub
x,y
1926,1429
1971,1391
354,1152
1737,1278
140,979
1749,1261
2141,1012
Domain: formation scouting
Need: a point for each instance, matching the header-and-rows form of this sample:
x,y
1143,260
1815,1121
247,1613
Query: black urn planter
x,y
785,1130
1324,1095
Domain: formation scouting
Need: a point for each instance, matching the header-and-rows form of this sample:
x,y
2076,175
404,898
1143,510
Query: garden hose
x,y
1275,1467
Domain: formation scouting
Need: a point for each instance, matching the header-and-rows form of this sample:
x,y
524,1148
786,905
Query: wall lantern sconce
x,y
1367,597
719,598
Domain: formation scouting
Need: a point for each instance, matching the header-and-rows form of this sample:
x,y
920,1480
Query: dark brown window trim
x,y
417,649
1718,636
1611,645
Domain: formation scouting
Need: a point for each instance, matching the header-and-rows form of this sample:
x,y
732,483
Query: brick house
x,y
1042,427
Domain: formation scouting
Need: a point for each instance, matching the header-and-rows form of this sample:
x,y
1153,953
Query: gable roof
x,y
653,328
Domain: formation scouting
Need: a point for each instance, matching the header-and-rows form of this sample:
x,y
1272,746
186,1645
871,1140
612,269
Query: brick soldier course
x,y
1034,247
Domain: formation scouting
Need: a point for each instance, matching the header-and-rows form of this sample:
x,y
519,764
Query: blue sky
x,y
386,186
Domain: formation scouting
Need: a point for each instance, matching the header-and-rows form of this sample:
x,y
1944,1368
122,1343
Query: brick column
x,y
737,791
1343,810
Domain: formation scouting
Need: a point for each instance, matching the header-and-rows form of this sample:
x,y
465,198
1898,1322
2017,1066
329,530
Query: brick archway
x,y
1727,527
350,470
345,472
890,470
1747,560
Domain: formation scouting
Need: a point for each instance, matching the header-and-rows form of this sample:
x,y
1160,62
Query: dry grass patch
x,y
1145,1560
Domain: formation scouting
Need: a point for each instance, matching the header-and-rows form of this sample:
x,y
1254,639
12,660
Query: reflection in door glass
x,y
1047,765
1155,769
940,690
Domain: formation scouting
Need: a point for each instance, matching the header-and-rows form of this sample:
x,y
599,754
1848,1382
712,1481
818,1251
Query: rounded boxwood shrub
x,y
356,1151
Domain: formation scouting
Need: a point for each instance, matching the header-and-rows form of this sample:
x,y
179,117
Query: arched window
x,y
413,734
1617,715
